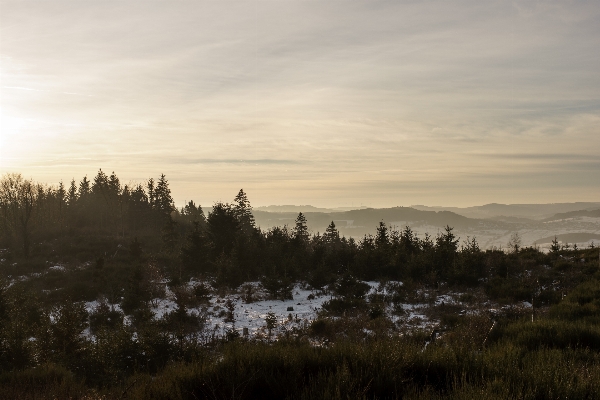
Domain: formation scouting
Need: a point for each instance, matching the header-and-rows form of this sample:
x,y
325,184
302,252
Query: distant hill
x,y
578,237
516,220
574,214
533,211
357,223
305,209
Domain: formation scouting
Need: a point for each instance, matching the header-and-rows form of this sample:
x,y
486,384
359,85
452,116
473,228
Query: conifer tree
x,y
163,200
301,229
61,197
169,235
331,234
243,211
446,246
409,241
555,248
194,252
100,199
84,189
114,185
223,228
151,192
72,194
382,238
194,213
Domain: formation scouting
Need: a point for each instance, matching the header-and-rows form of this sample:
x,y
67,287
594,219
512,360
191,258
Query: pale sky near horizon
x,y
329,103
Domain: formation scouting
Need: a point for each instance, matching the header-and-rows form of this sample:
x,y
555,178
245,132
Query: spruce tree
x,y
243,211
195,251
194,213
151,192
331,234
163,199
84,189
169,235
72,194
223,228
301,229
61,198
382,238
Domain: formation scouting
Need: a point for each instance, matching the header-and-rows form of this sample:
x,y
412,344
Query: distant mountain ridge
x,y
491,224
305,208
574,214
533,211
357,223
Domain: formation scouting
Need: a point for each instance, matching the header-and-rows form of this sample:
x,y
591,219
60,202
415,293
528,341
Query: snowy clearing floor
x,y
247,310
298,312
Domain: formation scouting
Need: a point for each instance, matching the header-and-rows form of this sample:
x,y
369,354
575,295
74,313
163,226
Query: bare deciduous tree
x,y
18,202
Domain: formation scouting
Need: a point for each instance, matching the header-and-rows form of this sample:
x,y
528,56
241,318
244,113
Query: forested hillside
x,y
110,291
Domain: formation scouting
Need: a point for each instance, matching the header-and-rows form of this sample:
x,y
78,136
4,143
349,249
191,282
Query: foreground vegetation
x,y
124,247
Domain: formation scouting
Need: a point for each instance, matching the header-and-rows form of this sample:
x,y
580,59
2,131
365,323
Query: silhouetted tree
x,y
331,235
446,246
169,235
163,200
223,227
301,229
193,213
195,252
243,211
18,203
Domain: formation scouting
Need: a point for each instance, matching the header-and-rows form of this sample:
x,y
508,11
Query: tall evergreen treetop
x,y
114,185
100,184
382,237
447,241
301,229
84,188
72,194
223,227
193,212
151,192
61,193
163,200
243,210
331,235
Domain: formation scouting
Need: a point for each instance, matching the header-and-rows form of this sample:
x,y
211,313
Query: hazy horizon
x,y
332,104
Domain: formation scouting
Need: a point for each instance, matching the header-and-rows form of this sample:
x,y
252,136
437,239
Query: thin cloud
x,y
314,93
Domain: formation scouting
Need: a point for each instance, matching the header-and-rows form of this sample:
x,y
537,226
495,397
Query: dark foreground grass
x,y
384,369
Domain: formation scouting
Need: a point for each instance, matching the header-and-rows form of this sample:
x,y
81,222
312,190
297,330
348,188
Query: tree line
x,y
226,245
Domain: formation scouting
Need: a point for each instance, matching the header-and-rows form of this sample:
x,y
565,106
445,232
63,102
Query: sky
x,y
329,103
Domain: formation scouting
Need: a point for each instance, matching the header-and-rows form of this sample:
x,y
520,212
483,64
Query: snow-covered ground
x,y
250,317
299,312
289,313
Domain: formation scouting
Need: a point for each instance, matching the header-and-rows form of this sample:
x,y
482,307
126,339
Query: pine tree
x,y
301,229
100,183
163,199
243,211
114,185
84,189
151,192
223,228
195,251
446,246
331,235
169,235
555,247
100,199
381,238
194,213
61,197
72,194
